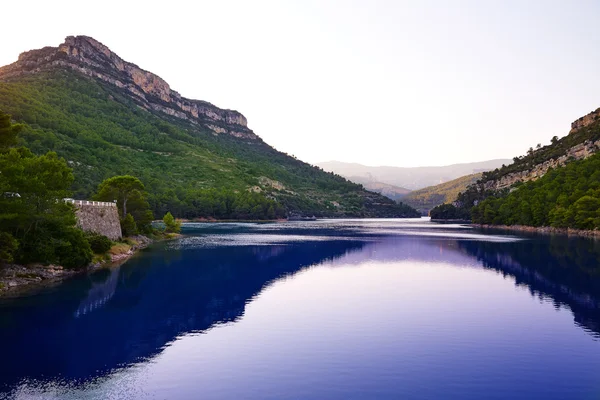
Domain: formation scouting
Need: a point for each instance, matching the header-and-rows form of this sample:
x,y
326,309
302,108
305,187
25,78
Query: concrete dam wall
x,y
99,217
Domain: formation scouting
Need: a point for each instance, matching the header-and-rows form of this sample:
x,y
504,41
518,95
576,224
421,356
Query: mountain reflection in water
x,y
89,326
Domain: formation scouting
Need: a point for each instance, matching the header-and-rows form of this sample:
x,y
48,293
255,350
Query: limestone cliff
x,y
578,152
586,120
90,57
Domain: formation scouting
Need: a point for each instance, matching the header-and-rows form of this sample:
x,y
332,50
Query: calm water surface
x,y
371,309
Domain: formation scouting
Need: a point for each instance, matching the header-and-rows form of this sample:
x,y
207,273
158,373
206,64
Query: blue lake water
x,y
350,309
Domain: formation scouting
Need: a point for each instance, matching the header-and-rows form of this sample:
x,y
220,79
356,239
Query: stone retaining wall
x,y
97,216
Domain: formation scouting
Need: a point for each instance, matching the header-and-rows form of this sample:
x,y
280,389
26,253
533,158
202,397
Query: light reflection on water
x,y
318,309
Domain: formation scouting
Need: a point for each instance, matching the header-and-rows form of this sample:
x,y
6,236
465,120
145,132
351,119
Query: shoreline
x,y
17,280
545,230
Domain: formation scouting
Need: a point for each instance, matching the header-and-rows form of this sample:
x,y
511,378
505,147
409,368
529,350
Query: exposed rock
x,y
585,120
263,180
578,152
90,57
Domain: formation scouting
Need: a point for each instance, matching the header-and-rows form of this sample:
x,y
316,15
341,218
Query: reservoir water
x,y
346,309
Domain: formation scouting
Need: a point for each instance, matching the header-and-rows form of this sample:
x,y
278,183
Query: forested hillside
x,y
188,169
555,185
567,197
427,198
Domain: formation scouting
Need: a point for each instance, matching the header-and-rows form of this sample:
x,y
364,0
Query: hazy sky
x,y
402,83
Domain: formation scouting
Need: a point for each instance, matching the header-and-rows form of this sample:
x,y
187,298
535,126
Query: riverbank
x,y
17,279
547,230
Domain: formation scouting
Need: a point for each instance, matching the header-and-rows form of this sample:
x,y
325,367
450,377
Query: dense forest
x,y
185,168
567,197
34,226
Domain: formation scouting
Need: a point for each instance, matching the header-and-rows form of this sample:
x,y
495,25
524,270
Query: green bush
x,y
8,247
73,250
171,224
99,243
128,226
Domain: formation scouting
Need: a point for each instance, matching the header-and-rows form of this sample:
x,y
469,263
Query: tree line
x,y
565,197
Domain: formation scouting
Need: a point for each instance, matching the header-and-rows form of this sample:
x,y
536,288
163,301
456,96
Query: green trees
x,y
171,224
128,226
449,211
120,188
131,196
567,197
103,133
35,224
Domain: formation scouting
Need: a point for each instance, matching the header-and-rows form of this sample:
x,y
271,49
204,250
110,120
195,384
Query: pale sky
x,y
400,83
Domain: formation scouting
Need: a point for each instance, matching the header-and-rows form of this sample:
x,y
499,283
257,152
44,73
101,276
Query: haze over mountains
x,y
411,178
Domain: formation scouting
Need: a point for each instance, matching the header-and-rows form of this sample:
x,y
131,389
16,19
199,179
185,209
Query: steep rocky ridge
x,y
586,120
577,152
582,142
90,57
107,117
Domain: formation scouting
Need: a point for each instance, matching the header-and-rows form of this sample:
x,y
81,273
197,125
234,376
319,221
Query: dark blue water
x,y
388,309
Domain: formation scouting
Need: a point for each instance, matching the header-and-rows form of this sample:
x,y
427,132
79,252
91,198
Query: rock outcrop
x,y
585,121
90,57
578,152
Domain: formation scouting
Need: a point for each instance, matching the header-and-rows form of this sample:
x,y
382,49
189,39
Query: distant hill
x,y
427,198
411,178
391,191
107,117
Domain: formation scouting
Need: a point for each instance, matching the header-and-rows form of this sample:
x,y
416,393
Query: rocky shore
x,y
546,230
14,279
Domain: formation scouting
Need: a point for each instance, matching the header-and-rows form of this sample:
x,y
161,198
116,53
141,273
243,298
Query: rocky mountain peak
x,y
585,120
88,56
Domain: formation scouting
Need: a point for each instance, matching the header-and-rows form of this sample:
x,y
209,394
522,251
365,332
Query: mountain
x,y
109,117
556,185
411,178
391,191
427,198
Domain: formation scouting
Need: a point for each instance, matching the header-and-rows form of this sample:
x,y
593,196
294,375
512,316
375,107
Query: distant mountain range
x,y
408,178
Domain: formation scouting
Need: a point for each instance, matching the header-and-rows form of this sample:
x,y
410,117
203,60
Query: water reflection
x,y
89,326
563,270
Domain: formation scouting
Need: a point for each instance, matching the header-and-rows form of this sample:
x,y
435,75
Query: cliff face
x,y
90,57
584,121
578,152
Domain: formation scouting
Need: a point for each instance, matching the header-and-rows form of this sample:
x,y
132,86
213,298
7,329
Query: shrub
x,y
73,250
99,243
171,224
8,247
128,226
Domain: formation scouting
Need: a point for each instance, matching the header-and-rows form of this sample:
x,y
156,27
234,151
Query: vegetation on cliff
x,y
539,154
102,132
567,197
556,199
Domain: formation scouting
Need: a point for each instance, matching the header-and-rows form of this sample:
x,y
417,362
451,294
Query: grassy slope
x,y
103,133
427,198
